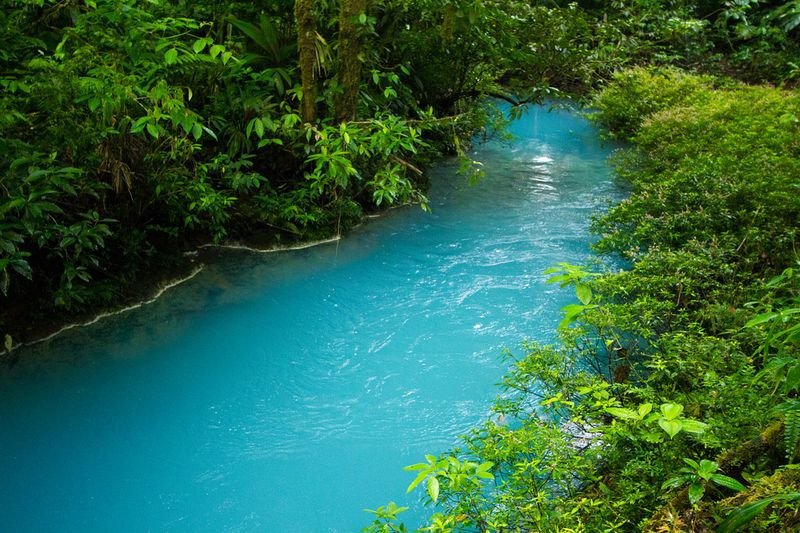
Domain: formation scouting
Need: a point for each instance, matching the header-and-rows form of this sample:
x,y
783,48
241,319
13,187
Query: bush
x,y
636,94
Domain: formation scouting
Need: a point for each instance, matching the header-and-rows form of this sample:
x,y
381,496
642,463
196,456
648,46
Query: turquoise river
x,y
285,391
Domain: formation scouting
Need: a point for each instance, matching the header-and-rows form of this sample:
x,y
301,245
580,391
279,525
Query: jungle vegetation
x,y
132,131
671,402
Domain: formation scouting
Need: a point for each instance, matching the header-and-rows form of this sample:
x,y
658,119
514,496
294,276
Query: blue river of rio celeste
x,y
284,392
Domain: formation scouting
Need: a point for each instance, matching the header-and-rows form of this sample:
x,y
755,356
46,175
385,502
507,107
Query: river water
x,y
284,392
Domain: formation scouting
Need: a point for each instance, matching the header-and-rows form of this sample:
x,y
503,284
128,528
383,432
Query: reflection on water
x,y
285,391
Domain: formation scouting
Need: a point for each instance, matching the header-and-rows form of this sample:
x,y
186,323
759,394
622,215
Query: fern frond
x,y
790,411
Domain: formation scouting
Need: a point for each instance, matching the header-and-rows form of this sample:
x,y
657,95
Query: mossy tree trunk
x,y
306,37
350,48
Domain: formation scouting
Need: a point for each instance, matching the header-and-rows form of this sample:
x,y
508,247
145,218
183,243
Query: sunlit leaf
x,y
696,492
671,427
433,488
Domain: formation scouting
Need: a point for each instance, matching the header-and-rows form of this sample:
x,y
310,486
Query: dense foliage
x,y
132,131
676,383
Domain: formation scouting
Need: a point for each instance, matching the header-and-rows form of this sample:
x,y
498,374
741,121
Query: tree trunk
x,y
306,36
349,58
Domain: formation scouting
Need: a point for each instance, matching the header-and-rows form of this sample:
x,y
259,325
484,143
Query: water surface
x,y
285,392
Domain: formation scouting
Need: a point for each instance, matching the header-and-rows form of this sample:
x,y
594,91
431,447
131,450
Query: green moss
x,y
780,515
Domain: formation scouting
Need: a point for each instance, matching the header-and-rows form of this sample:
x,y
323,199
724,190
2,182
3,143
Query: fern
x,y
790,410
791,436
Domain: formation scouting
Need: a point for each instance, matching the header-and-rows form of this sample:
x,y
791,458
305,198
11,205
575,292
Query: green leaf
x,y
482,470
584,293
671,427
484,475
706,469
199,45
742,516
695,427
645,409
216,50
653,436
152,129
695,466
760,319
417,480
571,313
792,378
673,483
671,411
210,132
362,18
746,513
696,492
170,56
187,122
728,482
140,124
433,488
621,412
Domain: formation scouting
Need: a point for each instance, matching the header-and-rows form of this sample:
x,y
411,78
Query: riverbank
x,y
158,281
24,330
685,367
